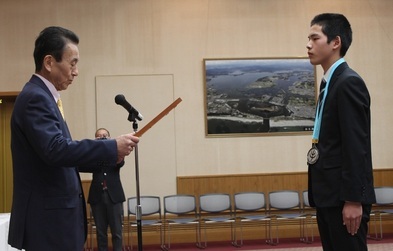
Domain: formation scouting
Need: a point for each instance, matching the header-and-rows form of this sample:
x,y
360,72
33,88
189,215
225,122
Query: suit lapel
x,y
336,74
37,81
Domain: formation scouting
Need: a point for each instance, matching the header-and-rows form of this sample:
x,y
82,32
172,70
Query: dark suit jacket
x,y
48,208
113,183
343,171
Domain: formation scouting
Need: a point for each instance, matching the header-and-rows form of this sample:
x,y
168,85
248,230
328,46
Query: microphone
x,y
121,100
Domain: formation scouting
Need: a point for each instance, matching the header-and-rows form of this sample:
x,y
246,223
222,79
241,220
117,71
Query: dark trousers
x,y
334,235
106,214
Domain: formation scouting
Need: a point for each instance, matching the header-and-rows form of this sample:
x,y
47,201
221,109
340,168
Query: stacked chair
x,y
284,206
215,208
310,215
383,207
250,207
180,210
150,216
208,211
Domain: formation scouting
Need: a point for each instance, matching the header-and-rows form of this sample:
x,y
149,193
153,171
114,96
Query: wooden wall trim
x,y
9,94
241,183
262,182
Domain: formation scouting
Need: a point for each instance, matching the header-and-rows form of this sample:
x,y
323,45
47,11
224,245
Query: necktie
x,y
60,105
321,91
322,86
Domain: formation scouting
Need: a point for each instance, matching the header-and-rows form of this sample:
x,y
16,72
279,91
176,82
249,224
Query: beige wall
x,y
171,37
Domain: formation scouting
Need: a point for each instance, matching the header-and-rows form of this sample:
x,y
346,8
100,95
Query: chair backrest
x,y
179,204
284,199
384,195
306,203
215,203
149,205
249,201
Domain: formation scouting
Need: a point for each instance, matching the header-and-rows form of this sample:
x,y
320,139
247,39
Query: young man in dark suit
x,y
340,167
48,208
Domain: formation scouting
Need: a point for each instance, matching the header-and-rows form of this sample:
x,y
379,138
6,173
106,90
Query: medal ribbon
x,y
319,110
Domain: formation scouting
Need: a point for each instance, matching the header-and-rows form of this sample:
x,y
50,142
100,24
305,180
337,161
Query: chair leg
x,y
164,247
199,245
302,227
380,227
310,225
233,233
269,233
270,241
306,224
197,235
267,230
130,238
378,235
235,242
162,237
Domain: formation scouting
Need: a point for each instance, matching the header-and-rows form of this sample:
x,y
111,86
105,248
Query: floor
x,y
286,244
386,244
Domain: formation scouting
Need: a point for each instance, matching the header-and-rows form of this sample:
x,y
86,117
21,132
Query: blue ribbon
x,y
320,106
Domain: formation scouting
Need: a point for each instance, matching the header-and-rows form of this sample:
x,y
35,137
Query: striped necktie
x,y
322,86
321,91
60,105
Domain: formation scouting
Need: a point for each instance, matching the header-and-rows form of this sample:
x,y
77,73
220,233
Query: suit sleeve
x,y
49,136
354,117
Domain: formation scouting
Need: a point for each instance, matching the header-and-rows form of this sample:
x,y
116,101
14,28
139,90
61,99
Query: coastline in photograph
x,y
259,95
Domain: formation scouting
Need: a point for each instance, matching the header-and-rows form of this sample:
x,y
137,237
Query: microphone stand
x,y
138,208
132,118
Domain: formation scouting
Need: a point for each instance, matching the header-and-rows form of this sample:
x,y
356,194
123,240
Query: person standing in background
x,y
48,207
106,197
340,174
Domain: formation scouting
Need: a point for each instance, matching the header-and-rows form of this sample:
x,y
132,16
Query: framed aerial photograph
x,y
259,96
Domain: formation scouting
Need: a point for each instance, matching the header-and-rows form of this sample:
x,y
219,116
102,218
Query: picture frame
x,y
259,96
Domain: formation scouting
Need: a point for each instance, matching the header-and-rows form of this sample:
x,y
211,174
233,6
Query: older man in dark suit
x,y
106,197
340,166
48,209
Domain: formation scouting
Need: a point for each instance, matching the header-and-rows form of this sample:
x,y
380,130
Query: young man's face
x,y
319,50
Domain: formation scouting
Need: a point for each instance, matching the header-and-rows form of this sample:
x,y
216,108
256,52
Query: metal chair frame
x,y
285,205
215,208
151,206
183,207
250,207
310,215
384,204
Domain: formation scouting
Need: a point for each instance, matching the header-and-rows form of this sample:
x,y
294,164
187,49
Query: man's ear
x,y
48,62
336,42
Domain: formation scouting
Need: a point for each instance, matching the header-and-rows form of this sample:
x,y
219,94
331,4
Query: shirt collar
x,y
51,87
327,74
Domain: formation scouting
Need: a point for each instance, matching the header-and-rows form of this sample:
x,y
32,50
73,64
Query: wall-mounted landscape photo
x,y
259,96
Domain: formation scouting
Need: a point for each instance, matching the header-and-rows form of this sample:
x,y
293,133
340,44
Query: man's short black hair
x,y
52,41
334,25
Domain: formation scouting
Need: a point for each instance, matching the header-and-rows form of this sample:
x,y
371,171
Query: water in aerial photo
x,y
259,95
